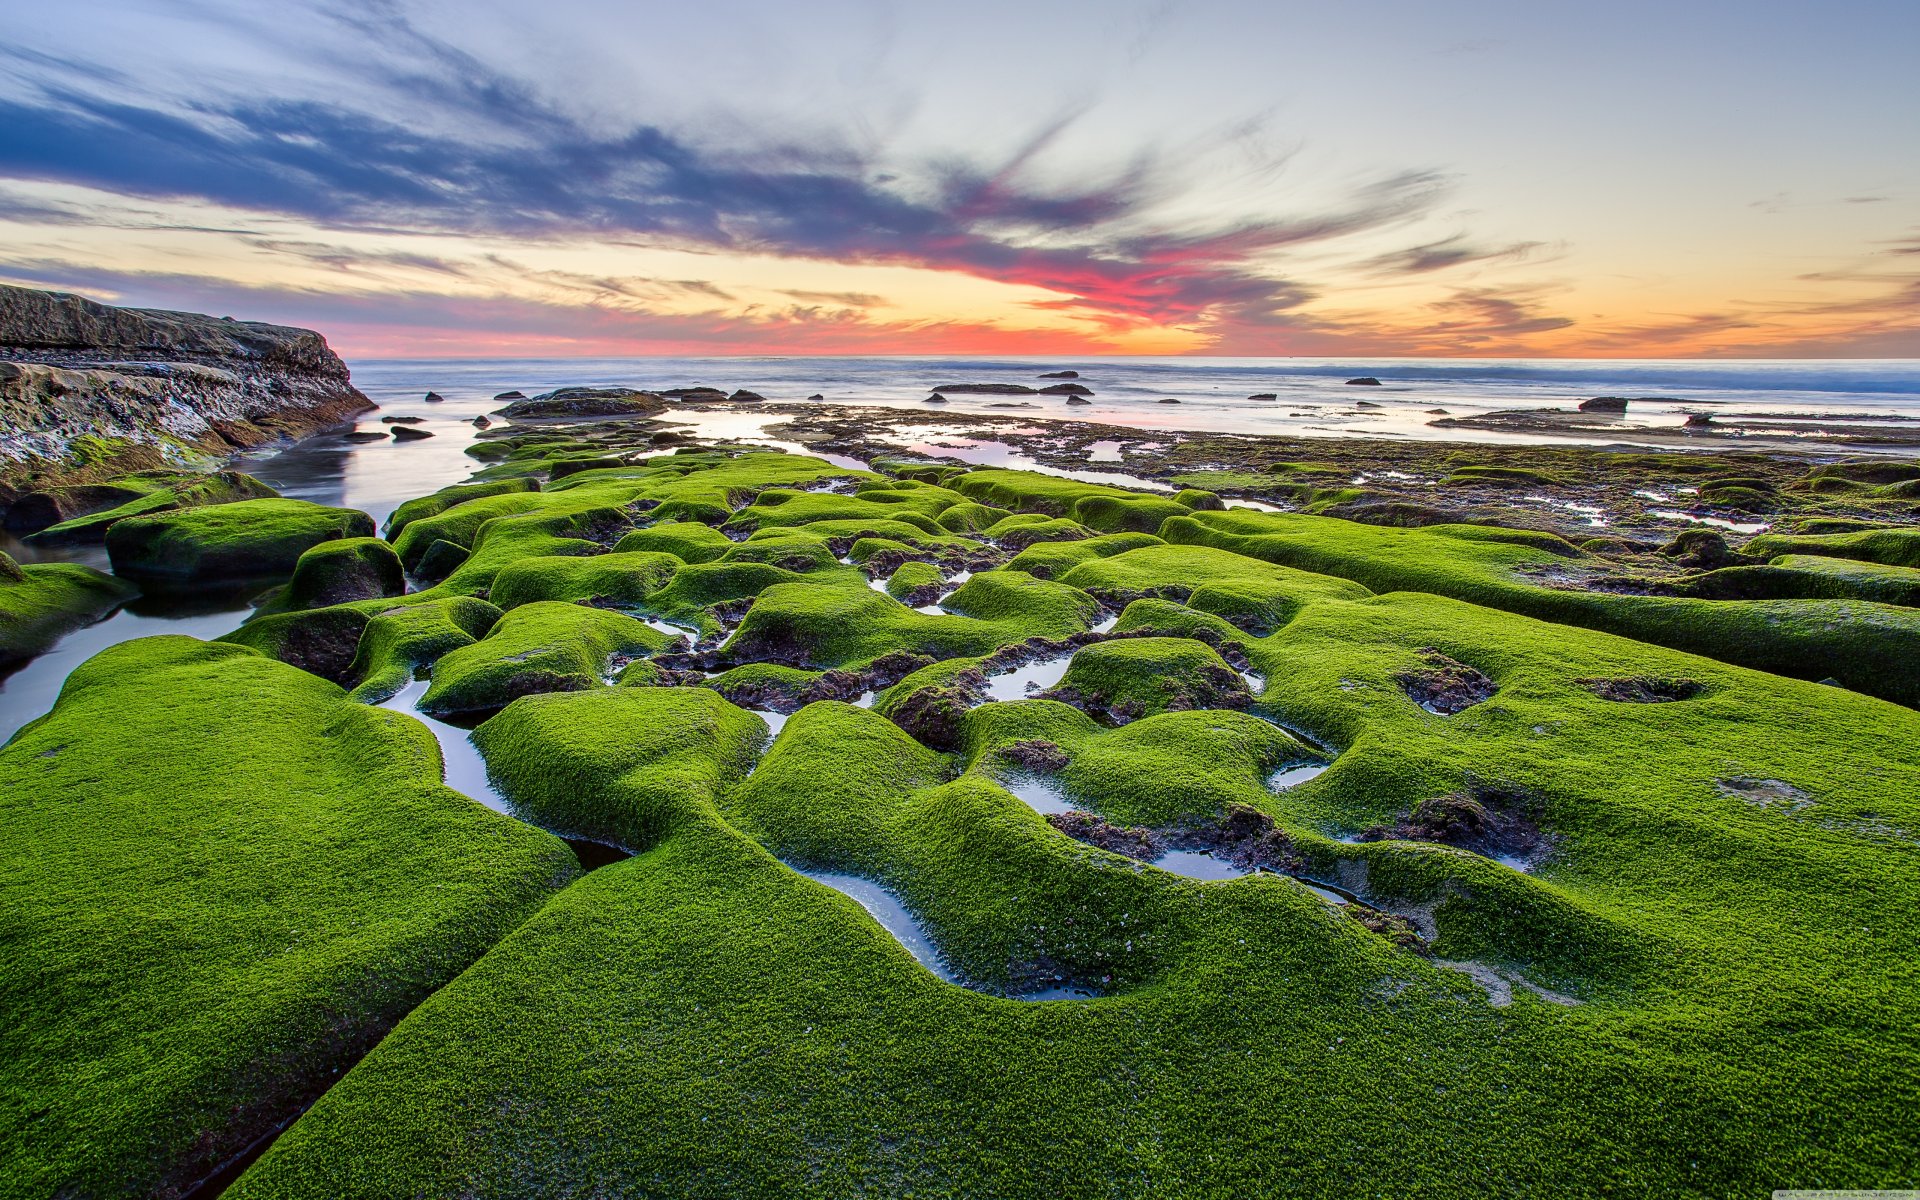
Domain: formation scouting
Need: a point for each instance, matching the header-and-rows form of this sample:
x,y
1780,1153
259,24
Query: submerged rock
x,y
586,402
1363,381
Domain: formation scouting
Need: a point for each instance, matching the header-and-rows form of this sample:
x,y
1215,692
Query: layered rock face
x,y
84,385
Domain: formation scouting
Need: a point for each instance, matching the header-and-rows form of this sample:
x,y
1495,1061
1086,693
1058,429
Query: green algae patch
x,y
1046,560
1126,680
686,540
247,539
440,501
42,602
844,623
339,572
400,641
916,583
618,766
1891,547
1873,648
155,492
543,646
202,935
605,580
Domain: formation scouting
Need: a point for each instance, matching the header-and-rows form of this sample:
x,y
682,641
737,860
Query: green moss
x,y
844,623
910,576
1808,576
1500,476
796,550
160,492
1049,560
969,517
1870,647
544,646
1142,676
620,579
686,540
622,765
42,602
440,501
1893,547
337,572
1134,514
246,539
399,641
202,936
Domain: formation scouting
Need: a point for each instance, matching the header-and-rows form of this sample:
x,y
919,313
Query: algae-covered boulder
x,y
440,501
544,646
224,883
153,492
357,568
687,540
248,539
642,752
619,579
41,602
320,641
399,641
1124,680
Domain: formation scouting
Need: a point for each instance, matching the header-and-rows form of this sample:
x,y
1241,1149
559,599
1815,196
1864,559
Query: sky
x,y
1237,177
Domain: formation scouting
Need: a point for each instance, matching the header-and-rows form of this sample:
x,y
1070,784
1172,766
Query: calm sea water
x,y
1313,396
1314,400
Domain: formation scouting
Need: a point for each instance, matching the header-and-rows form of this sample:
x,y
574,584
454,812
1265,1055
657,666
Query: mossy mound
x,y
686,540
618,766
440,501
603,580
199,945
339,572
247,539
543,646
399,641
42,602
1126,680
1892,547
1874,648
155,492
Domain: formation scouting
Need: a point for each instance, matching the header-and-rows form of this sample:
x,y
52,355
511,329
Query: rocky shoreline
x,y
89,391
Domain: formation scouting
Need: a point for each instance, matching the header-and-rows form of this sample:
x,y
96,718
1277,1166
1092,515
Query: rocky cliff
x,y
88,389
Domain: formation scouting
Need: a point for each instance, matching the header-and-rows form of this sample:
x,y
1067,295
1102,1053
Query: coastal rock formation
x,y
88,390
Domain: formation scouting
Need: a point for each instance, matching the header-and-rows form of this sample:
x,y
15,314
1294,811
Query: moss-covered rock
x,y
542,646
337,572
225,883
247,539
606,580
42,602
156,492
397,642
1126,680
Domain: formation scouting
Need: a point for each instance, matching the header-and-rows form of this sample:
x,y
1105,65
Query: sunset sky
x,y
1380,177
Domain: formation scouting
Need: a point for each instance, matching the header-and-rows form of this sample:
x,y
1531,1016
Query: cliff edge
x,y
89,390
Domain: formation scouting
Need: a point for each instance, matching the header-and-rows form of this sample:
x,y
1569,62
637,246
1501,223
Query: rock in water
x,y
986,389
1264,396
1363,381
143,380
407,433
1066,389
585,402
1604,404
1061,375
435,398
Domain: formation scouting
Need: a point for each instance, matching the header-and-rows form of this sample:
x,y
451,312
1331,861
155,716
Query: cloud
x,y
1454,251
479,153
